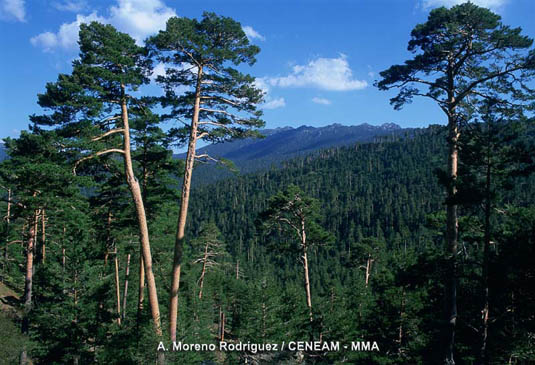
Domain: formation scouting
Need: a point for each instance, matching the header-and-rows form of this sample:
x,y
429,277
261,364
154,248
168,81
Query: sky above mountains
x,y
318,58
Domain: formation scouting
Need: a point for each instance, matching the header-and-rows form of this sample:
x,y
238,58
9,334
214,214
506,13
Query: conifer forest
x,y
126,239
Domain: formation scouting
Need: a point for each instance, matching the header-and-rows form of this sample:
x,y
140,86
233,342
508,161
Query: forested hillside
x,y
416,246
377,279
280,144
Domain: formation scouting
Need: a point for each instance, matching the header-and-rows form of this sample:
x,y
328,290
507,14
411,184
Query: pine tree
x,y
296,214
220,101
92,105
465,54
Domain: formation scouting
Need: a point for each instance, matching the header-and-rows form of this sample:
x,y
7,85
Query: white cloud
x,y
67,36
74,6
261,83
269,102
331,74
493,4
274,104
13,9
252,34
321,101
139,18
46,40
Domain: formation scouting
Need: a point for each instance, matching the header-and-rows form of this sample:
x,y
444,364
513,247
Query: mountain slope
x,y
284,143
288,141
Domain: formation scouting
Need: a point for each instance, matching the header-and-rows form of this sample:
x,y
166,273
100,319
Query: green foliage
x,y
463,52
11,340
201,56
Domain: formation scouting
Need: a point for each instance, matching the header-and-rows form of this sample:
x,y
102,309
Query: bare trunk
x,y
221,325
125,293
307,283
401,318
263,321
43,237
237,269
117,289
141,286
181,225
142,220
141,293
108,238
30,247
452,234
201,279
305,267
368,269
485,311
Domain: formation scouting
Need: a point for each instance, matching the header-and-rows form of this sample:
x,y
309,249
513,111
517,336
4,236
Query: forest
x,y
417,247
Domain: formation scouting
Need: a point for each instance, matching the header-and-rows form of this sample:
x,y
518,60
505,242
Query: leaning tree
x,y
91,108
462,55
203,86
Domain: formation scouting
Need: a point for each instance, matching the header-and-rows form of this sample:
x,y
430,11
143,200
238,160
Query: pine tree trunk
x,y
221,325
401,318
452,233
30,247
368,269
117,289
108,238
43,237
181,225
264,321
201,279
142,220
141,286
307,282
305,267
141,292
486,253
125,293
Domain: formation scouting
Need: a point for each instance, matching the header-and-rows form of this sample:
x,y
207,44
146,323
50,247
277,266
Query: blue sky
x,y
318,58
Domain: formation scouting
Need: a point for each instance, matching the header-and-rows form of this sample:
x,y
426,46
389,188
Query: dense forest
x,y
415,248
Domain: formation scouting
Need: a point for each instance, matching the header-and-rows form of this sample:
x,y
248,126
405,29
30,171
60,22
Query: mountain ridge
x,y
289,141
283,143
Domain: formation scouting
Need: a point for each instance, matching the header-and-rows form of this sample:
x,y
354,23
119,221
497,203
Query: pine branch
x,y
100,153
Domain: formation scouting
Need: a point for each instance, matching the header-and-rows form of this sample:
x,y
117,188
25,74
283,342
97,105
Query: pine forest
x,y
127,237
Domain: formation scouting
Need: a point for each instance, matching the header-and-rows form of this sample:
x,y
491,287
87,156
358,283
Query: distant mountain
x,y
288,142
280,144
284,143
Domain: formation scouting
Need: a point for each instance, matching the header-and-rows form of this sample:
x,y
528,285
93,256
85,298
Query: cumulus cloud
x,y
139,18
269,101
331,74
321,101
67,35
13,10
493,4
274,104
252,34
71,5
